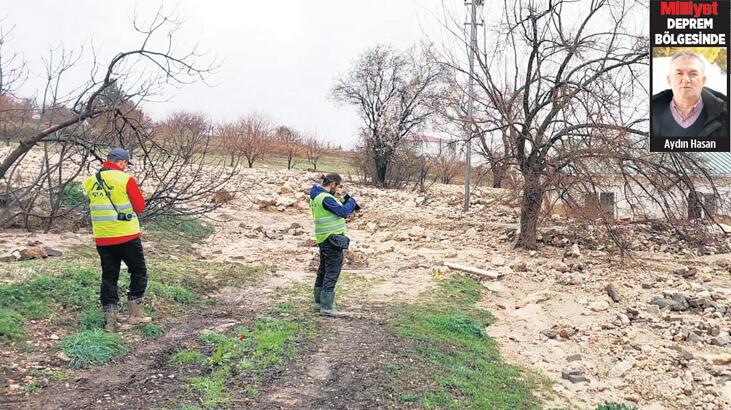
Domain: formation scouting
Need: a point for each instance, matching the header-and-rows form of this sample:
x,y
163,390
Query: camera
x,y
345,199
125,217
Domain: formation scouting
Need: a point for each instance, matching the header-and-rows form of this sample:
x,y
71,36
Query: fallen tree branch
x,y
476,271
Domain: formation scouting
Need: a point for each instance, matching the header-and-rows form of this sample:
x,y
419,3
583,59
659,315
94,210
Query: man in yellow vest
x,y
329,216
114,201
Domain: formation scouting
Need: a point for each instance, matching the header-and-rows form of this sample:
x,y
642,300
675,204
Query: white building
x,y
632,201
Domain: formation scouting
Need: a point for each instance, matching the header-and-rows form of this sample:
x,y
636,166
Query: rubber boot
x,y
110,319
316,304
136,316
327,308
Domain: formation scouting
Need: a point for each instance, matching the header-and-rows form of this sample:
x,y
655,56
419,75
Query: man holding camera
x,y
114,202
329,216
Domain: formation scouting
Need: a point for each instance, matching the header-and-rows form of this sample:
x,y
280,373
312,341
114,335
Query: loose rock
x,y
613,293
599,306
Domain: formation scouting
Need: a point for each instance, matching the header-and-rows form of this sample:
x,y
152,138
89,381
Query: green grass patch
x,y
59,376
212,392
284,308
11,325
461,361
151,330
74,289
187,357
92,348
176,293
31,388
272,339
91,319
614,406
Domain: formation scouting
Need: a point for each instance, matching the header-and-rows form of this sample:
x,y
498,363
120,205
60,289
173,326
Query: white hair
x,y
688,54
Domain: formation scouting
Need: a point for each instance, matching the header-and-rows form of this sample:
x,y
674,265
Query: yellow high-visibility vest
x,y
326,222
103,216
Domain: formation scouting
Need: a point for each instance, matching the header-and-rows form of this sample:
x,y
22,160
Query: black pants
x,y
133,256
331,262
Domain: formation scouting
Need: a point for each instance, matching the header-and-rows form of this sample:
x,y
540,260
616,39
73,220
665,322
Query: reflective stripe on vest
x,y
326,222
123,207
104,221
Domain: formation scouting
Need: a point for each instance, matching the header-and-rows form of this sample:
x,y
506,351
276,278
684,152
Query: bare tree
x,y
315,150
71,133
253,138
227,141
14,112
288,142
186,131
178,167
145,72
562,81
395,93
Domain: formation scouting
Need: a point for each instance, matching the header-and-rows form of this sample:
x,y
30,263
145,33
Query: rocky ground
x,y
652,330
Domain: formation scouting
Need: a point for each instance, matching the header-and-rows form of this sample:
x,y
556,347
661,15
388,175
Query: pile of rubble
x,y
32,250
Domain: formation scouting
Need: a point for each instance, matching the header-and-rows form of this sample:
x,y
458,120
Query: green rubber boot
x,y
326,305
316,304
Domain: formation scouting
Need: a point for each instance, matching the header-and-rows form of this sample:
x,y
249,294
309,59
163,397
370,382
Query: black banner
x,y
688,113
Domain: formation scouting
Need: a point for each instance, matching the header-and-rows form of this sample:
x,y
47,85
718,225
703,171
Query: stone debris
x,y
574,376
613,292
599,306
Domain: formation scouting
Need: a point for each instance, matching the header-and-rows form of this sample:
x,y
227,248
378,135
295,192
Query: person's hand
x,y
347,197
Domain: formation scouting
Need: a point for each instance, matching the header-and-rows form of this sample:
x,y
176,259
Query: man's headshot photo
x,y
690,105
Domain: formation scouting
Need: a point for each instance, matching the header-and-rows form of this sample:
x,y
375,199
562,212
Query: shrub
x,y
91,319
151,330
73,196
92,348
11,325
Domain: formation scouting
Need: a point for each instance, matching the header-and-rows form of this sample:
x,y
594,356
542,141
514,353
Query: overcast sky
x,y
279,57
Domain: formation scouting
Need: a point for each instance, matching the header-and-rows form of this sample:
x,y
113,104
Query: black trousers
x,y
111,257
331,262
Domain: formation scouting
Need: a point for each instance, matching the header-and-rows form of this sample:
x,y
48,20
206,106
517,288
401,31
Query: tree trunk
x,y
251,162
381,170
498,173
529,211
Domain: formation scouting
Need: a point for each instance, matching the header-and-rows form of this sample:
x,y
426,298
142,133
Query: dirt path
x,y
345,368
134,381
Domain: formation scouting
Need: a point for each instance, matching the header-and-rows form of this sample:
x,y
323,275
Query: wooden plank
x,y
470,269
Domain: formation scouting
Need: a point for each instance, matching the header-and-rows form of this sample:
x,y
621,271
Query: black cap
x,y
332,177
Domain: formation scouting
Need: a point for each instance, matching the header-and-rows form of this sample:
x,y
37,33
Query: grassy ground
x,y
458,365
52,306
328,163
231,366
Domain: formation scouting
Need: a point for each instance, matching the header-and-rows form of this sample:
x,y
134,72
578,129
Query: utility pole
x,y
470,97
